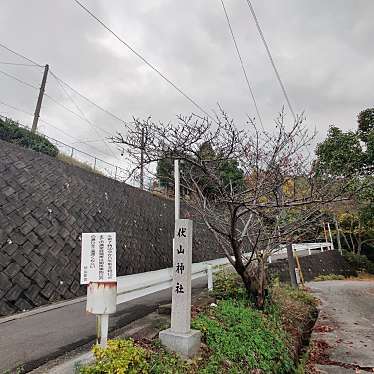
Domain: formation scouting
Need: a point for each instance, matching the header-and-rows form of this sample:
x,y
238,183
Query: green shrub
x,y
126,357
241,338
328,277
121,356
163,362
10,131
285,291
228,285
359,262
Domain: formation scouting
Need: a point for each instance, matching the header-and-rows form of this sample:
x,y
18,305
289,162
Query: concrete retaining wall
x,y
328,262
46,204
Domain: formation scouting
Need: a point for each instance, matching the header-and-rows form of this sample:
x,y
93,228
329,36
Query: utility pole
x,y
40,99
142,160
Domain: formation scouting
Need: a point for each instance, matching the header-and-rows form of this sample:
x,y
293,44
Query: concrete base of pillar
x,y
187,345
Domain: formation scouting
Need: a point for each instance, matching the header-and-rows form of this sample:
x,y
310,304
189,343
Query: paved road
x,y
346,324
35,339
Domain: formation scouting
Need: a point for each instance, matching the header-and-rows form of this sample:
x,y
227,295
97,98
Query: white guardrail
x,y
130,287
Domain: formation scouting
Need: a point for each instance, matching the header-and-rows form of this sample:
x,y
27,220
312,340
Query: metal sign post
x,y
98,271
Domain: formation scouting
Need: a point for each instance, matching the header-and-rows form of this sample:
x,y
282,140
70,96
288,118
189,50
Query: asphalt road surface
x,y
346,324
35,339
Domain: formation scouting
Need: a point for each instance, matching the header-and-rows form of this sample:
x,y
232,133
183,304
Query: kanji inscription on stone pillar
x,y
181,291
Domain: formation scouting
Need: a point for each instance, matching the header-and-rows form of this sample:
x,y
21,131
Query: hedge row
x,y
359,262
10,131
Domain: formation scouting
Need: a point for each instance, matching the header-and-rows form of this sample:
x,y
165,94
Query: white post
x,y
102,301
210,277
269,259
309,251
321,247
332,243
104,327
176,198
176,189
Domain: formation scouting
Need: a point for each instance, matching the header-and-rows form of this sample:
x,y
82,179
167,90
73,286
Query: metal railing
x,y
134,286
92,162
85,159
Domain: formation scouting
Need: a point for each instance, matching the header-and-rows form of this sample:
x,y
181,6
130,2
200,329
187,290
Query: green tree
x,y
340,153
230,173
164,172
366,124
346,153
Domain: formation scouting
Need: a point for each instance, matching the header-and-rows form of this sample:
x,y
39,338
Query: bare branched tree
x,y
275,201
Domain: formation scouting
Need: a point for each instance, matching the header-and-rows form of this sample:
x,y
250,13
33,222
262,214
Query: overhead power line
x,y
20,55
19,80
16,64
66,84
15,108
87,120
53,126
162,75
242,64
58,79
270,57
82,117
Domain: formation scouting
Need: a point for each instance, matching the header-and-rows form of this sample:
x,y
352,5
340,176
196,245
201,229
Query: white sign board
x,y
98,261
182,260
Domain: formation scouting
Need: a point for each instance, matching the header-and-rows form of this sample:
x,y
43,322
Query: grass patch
x,y
329,277
362,276
72,161
241,338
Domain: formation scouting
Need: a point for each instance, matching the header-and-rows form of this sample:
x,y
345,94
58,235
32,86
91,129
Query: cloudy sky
x,y
323,50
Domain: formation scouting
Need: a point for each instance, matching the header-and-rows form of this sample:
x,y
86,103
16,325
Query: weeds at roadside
x,y
329,277
72,161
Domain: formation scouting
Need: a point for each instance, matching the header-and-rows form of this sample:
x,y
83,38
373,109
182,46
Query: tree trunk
x,y
255,281
261,277
346,241
359,238
350,237
337,233
359,245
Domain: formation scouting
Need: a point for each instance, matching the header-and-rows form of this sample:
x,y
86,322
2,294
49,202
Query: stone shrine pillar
x,y
180,338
